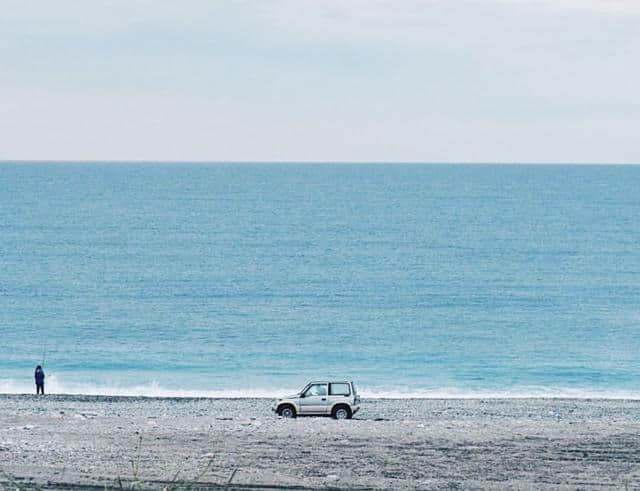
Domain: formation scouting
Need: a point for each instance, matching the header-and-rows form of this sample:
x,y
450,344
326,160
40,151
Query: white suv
x,y
337,399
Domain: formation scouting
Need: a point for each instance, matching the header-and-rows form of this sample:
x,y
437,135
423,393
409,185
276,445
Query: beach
x,y
58,441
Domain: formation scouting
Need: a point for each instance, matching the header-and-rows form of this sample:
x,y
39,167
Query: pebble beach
x,y
91,442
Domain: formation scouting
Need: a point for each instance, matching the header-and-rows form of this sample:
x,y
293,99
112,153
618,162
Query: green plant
x,y
13,484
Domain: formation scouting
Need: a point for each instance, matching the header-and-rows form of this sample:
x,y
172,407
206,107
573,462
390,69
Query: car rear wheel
x,y
341,412
287,411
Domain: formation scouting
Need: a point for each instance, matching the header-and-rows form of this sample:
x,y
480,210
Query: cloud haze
x,y
506,81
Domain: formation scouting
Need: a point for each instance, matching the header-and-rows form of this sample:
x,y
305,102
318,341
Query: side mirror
x,y
302,395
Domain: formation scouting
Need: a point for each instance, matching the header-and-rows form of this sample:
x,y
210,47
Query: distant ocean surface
x,y
251,279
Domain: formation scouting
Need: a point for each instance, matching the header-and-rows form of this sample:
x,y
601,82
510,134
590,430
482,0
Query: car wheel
x,y
287,411
341,412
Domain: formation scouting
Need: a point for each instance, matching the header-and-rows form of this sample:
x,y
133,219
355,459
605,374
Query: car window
x,y
339,390
316,390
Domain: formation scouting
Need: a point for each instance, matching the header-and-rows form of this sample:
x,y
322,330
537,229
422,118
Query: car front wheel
x,y
287,411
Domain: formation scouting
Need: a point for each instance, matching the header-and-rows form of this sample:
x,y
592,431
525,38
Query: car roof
x,y
330,382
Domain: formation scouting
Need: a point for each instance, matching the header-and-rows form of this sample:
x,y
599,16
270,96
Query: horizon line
x,y
307,162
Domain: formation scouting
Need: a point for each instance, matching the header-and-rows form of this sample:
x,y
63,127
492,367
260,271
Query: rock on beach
x,y
391,444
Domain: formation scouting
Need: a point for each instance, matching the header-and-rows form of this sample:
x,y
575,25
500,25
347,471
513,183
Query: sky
x,y
325,80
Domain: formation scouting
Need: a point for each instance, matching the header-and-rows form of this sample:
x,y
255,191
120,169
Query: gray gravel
x,y
58,441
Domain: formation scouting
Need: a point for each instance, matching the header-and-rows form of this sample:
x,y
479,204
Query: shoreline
x,y
83,441
99,397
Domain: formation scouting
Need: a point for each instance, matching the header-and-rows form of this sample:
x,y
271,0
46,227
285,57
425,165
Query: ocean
x,y
251,279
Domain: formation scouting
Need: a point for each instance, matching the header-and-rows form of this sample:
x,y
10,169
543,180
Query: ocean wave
x,y
511,393
55,385
153,389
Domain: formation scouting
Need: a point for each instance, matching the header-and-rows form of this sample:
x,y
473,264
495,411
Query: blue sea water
x,y
250,279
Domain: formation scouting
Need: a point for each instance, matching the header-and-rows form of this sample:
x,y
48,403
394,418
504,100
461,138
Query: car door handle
x,y
323,399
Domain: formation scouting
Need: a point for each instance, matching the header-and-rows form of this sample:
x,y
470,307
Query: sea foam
x,y
56,385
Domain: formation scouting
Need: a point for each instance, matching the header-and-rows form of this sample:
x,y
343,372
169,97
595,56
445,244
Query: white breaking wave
x,y
54,385
515,393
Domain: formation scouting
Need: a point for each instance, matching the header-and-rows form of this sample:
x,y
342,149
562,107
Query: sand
x,y
55,442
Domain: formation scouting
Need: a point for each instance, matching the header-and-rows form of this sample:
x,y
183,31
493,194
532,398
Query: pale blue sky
x,y
423,81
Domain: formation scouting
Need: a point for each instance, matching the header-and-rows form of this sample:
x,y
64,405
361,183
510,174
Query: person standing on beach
x,y
39,380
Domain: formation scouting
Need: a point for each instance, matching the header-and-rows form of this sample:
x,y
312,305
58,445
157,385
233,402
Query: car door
x,y
314,399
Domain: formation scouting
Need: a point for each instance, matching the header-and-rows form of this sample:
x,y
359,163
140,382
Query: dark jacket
x,y
39,376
